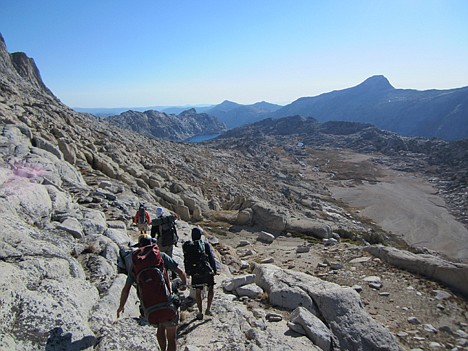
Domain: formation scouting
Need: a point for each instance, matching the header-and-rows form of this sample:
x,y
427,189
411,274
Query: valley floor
x,y
408,206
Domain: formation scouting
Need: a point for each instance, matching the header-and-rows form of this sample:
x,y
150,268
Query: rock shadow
x,y
58,341
186,328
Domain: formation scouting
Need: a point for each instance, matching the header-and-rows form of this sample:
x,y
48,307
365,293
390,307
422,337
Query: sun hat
x,y
159,211
145,240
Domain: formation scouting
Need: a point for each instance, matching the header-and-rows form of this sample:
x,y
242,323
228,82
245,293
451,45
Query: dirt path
x,y
408,206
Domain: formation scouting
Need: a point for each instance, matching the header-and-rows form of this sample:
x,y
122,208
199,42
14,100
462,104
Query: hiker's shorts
x,y
174,322
168,250
142,227
200,280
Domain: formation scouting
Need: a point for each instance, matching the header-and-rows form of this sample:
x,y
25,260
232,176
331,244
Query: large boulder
x,y
61,202
68,150
194,201
93,221
309,226
106,165
245,217
171,199
72,226
47,146
265,237
267,215
454,275
43,288
341,309
16,140
313,327
119,236
232,284
30,201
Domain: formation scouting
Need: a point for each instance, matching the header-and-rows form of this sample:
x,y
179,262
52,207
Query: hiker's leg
x,y
161,336
169,250
198,299
171,333
210,298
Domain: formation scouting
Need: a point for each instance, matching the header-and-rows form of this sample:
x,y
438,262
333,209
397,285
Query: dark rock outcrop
x,y
235,115
161,125
19,63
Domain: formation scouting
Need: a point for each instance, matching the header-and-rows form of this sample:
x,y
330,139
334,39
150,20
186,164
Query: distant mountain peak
x,y
378,82
190,111
230,104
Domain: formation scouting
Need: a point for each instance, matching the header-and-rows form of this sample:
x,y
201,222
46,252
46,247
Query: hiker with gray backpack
x,y
163,228
159,305
200,264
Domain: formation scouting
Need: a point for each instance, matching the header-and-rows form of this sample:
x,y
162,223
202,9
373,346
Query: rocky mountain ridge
x,y
235,115
429,113
179,127
69,186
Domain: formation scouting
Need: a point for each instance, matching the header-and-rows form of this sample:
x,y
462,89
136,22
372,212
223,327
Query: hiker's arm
x,y
181,275
123,298
148,219
154,229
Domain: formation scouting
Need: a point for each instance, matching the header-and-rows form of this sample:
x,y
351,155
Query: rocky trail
x,y
423,314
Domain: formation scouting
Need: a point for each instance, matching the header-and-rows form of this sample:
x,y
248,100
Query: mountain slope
x,y
430,113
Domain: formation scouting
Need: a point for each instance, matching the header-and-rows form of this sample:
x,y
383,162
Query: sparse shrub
x,y
307,237
263,297
346,234
373,237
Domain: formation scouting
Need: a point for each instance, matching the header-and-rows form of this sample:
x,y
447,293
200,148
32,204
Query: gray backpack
x,y
124,261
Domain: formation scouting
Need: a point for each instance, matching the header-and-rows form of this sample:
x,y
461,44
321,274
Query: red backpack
x,y
153,285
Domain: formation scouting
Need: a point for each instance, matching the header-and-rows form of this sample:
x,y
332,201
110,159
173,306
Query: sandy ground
x,y
409,206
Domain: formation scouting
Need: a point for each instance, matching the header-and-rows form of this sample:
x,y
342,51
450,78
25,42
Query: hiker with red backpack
x,y
142,219
159,305
200,264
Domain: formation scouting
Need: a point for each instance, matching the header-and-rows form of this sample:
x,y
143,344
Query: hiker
x,y
143,258
201,266
142,219
164,229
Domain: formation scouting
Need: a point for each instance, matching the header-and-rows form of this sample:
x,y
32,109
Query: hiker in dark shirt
x,y
167,331
164,230
203,276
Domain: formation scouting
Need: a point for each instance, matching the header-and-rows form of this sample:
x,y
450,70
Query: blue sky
x,y
116,53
